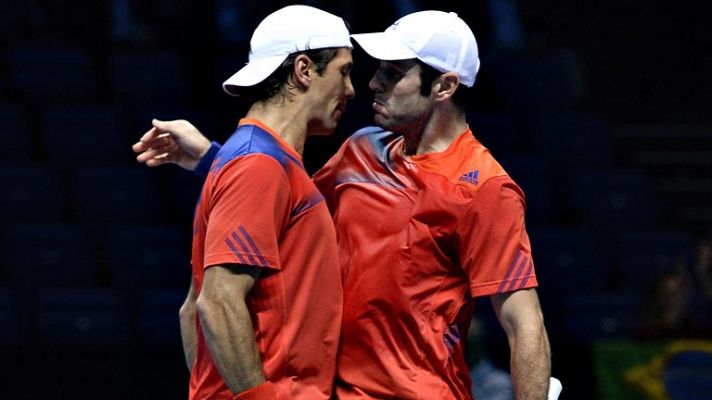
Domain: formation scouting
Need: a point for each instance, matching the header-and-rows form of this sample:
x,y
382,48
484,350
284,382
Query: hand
x,y
177,142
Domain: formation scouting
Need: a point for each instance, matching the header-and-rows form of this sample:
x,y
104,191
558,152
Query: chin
x,y
322,127
323,131
382,122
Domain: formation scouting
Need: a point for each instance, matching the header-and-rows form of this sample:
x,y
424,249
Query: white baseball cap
x,y
437,38
288,30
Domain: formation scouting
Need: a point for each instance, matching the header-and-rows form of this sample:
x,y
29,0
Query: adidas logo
x,y
470,177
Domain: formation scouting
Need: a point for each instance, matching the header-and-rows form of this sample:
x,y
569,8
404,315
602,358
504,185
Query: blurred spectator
x,y
703,264
667,308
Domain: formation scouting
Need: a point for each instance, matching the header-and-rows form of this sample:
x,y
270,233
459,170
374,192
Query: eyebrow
x,y
402,66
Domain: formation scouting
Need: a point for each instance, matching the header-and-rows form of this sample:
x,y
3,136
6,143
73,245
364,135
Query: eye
x,y
391,74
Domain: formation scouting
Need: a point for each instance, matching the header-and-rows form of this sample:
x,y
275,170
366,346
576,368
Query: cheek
x,y
333,91
410,104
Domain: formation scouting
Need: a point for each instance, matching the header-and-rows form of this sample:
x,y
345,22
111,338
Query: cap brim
x,y
252,73
384,46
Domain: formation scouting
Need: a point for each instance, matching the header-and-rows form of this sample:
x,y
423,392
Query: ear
x,y
447,85
303,70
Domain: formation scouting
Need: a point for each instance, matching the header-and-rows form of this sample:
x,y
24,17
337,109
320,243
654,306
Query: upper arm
x,y
228,282
493,243
249,205
517,309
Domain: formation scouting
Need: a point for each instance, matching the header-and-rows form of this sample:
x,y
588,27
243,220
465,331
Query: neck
x,y
434,135
284,116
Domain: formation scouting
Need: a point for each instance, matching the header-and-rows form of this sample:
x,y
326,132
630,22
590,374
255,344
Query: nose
x,y
375,84
350,91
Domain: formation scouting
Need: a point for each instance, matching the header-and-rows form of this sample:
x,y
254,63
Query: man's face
x,y
398,104
330,92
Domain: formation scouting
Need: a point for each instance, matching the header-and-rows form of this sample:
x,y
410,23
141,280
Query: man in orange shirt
x,y
427,220
455,227
263,314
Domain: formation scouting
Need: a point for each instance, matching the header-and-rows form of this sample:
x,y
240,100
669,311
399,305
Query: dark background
x,y
600,110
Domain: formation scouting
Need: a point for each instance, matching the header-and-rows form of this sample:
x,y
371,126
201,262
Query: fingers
x,y
158,145
160,151
152,154
146,141
160,129
154,158
160,159
152,139
151,134
176,126
139,147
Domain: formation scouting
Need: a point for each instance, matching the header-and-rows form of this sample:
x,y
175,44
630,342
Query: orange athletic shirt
x,y
258,207
419,238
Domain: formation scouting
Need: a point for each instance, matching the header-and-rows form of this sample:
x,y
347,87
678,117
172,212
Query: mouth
x,y
339,110
378,106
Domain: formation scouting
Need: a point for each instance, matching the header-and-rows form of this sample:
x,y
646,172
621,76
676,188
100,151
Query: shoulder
x,y
482,175
477,168
247,169
498,197
250,140
501,185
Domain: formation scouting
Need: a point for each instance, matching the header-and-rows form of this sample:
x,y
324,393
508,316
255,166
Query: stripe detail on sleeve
x,y
251,251
519,266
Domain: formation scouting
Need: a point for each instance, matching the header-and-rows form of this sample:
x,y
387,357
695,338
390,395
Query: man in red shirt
x,y
455,227
427,220
263,314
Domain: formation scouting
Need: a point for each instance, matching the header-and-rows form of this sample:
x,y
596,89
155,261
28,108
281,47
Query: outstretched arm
x,y
177,142
520,315
188,331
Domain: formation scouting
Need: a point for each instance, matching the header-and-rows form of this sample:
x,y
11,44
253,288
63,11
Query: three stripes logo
x,y
242,245
470,177
518,274
451,339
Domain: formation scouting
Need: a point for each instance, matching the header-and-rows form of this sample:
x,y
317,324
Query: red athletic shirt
x,y
419,238
258,207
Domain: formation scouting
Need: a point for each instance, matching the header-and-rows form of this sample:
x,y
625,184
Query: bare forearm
x,y
530,363
188,333
230,339
188,328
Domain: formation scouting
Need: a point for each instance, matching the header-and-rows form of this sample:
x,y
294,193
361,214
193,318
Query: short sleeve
x,y
493,243
249,208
